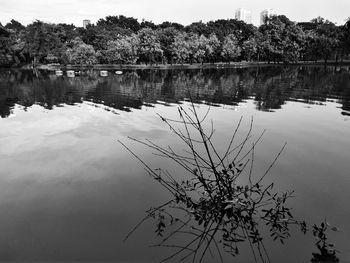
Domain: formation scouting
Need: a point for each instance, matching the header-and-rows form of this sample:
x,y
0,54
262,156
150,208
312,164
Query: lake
x,y
69,191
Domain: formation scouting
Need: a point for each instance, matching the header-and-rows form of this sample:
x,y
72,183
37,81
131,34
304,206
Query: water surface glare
x,y
69,191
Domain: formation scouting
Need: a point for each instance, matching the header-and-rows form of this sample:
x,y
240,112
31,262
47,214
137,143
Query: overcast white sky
x,y
181,11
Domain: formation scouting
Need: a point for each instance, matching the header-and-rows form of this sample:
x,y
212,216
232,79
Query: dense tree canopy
x,y
121,39
123,50
282,40
81,53
15,25
230,48
345,41
110,22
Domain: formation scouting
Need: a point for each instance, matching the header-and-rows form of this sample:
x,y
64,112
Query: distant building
x,y
267,13
86,22
244,15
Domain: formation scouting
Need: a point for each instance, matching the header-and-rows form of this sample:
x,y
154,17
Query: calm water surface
x,y
69,191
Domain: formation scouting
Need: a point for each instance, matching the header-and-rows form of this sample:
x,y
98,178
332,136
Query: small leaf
x,y
335,228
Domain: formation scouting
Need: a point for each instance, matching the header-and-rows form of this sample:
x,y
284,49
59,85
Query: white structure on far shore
x,y
86,22
267,13
243,15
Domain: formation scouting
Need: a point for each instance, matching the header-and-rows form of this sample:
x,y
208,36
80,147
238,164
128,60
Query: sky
x,y
181,11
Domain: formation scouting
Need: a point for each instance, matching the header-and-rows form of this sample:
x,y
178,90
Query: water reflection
x,y
269,87
68,191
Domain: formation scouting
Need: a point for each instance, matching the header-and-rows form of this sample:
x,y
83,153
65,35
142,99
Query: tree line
x,y
123,40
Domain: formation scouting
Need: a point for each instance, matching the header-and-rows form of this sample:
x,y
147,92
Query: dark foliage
x,y
327,252
278,40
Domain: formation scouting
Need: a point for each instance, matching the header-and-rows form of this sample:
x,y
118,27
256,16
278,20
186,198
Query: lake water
x,y
69,191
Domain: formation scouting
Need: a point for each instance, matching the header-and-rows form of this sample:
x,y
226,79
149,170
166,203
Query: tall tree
x,y
213,47
123,50
230,48
346,37
250,48
150,48
81,53
5,43
282,39
180,48
166,38
42,39
326,41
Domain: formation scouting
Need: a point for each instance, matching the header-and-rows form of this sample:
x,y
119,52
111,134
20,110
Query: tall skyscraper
x,y
244,15
86,22
267,13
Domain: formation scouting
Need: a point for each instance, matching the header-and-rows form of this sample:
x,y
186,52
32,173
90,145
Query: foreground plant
x,y
327,252
218,204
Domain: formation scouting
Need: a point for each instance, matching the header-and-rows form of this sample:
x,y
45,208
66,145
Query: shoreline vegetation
x,y
242,64
123,42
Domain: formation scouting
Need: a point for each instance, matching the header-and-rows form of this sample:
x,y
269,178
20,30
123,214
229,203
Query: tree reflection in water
x,y
269,87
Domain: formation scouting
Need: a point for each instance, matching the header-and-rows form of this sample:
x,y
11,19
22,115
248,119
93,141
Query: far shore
x,y
149,66
53,67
